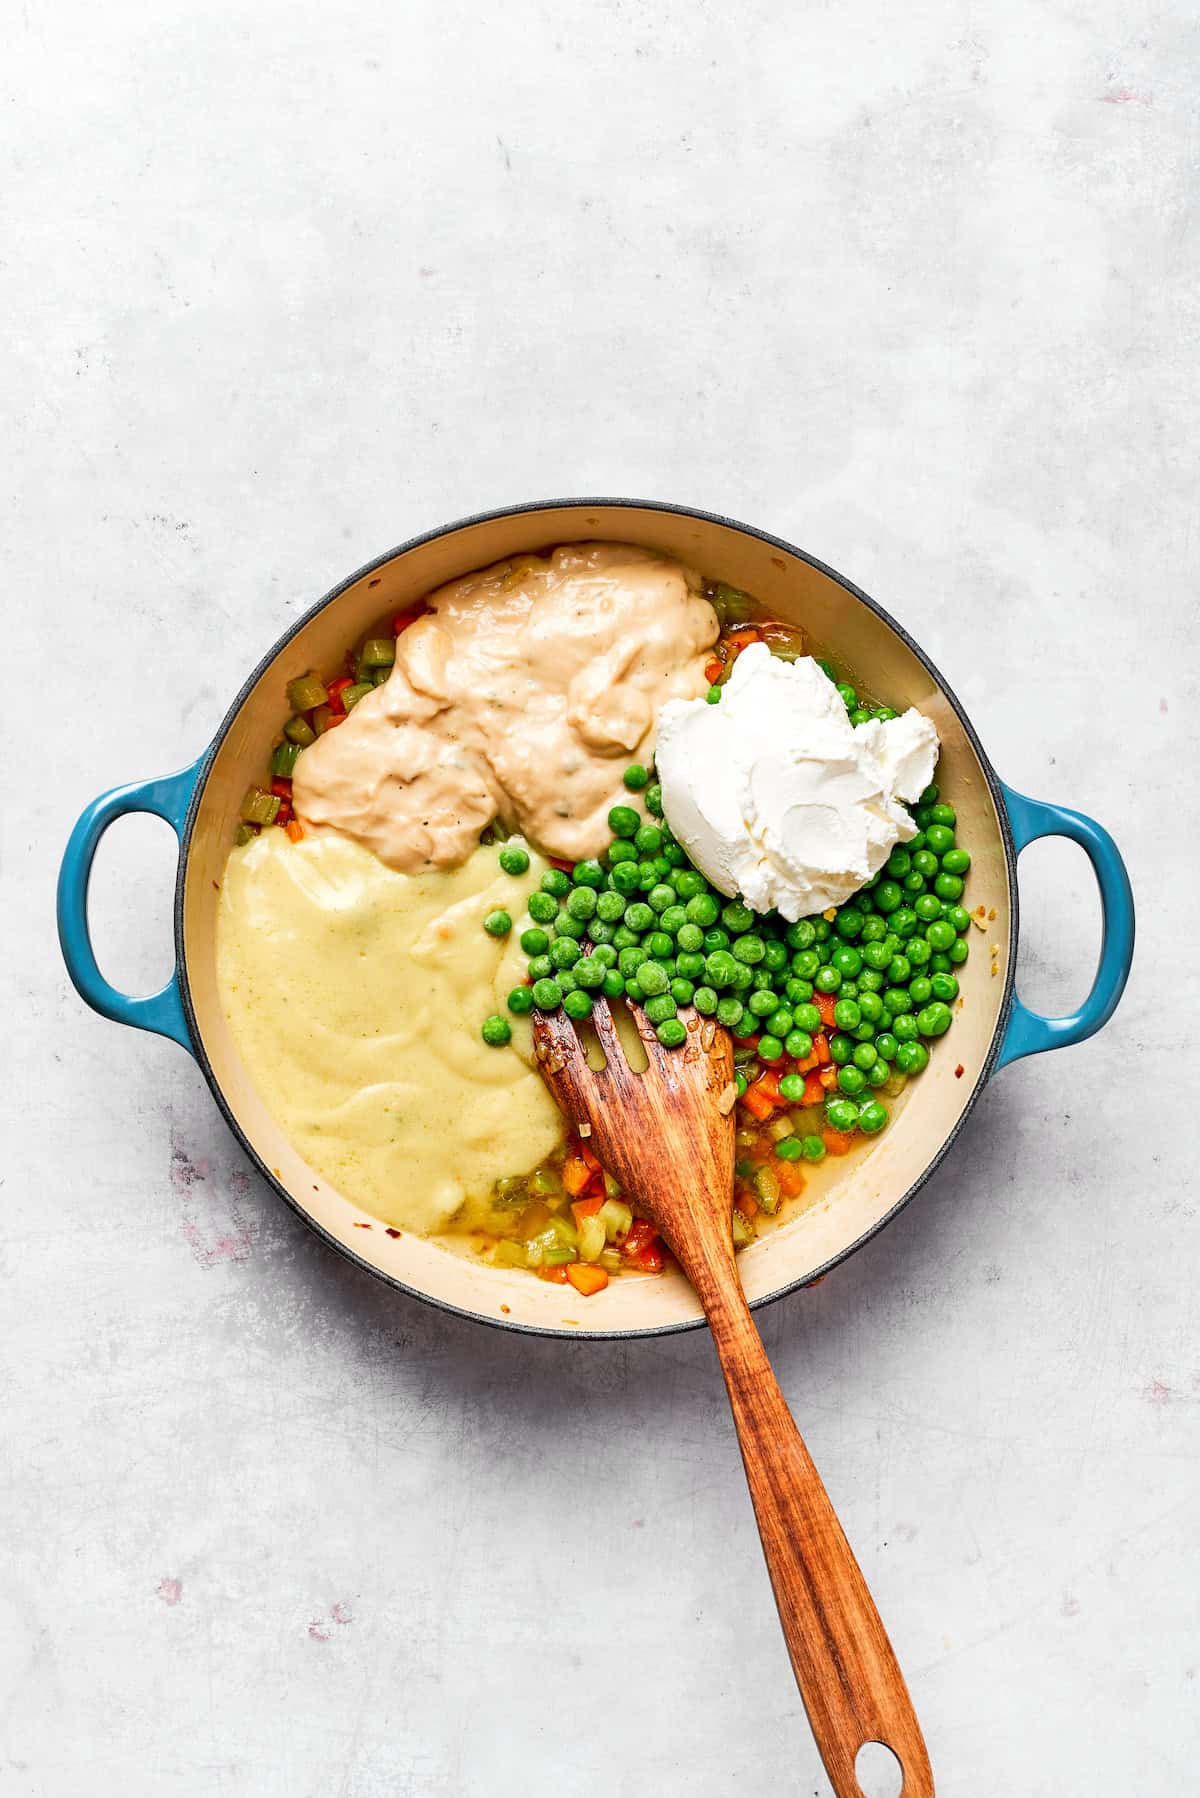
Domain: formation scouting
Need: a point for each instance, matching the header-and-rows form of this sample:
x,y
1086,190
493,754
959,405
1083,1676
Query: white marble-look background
x,y
283,284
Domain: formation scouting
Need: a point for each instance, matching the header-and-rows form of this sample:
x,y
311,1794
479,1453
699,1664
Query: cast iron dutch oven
x,y
859,1195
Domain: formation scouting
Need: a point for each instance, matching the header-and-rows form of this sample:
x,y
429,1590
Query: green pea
x,y
547,995
589,973
939,838
541,967
851,1080
762,1003
797,992
582,903
635,777
847,1015
807,1017
899,969
805,963
870,981
945,987
870,1007
649,839
775,957
719,968
925,863
920,990
624,938
621,851
682,990
872,1117
498,923
569,926
534,942
566,980
930,795
769,1048
948,886
633,989
887,896
514,861
913,884
672,919
918,951
623,879
578,1004
702,909
934,1019
749,948
821,929
660,897
604,955
841,1048
848,989
800,935
955,861
671,1033
659,1007
958,951
496,1030
610,906
705,1001
648,876
729,1012
589,873
877,954
542,907
812,1148
912,1057
690,937
688,883
674,857
798,1044
904,1027
846,960
638,916
828,980
690,966
789,1148
564,952
874,930
614,984
659,944
841,1114
654,803
940,934
899,862
791,1087
715,939
849,696
903,922
886,1046
944,814
623,821
556,883
520,1001
780,1023
865,1056
652,978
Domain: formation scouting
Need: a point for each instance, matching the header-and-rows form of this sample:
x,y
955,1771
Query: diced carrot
x,y
295,830
586,1279
281,788
821,1049
824,1003
747,1204
744,635
790,1175
559,1275
828,1077
768,1082
581,1208
808,1062
402,620
584,1148
759,1104
714,668
575,1175
837,1142
814,1090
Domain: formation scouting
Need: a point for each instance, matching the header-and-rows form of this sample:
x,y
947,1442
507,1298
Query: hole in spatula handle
x,y
878,1772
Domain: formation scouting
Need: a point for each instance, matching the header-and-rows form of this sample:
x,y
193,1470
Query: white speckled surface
x,y
284,285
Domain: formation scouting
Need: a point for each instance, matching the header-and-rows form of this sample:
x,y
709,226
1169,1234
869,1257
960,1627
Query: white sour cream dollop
x,y
777,796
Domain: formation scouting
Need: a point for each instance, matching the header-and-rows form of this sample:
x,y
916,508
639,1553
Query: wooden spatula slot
x,y
666,1133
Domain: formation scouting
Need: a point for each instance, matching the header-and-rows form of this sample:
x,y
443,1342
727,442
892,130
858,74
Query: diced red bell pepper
x,y
650,1261
402,620
281,787
642,1236
336,689
714,668
824,1003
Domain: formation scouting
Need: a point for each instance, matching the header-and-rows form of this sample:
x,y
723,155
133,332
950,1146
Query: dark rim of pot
x,y
583,505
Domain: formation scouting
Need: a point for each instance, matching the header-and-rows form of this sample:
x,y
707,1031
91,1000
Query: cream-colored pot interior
x,y
850,1198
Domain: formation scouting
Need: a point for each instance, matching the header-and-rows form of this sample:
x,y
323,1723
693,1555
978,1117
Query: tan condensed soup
x,y
355,993
521,695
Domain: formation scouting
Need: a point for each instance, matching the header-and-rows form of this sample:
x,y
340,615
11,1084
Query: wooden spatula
x,y
667,1135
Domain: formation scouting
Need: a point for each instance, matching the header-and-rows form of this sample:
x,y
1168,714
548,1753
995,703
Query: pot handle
x,y
1028,1032
167,797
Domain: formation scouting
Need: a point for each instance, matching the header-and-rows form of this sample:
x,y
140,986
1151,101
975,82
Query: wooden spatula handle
x,y
848,1677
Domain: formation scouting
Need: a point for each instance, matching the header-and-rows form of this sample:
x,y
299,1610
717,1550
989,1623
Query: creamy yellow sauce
x,y
522,694
355,996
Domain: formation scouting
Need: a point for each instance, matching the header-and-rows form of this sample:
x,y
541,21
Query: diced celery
x,y
895,1084
743,1230
511,1190
305,692
610,1261
378,652
591,1238
299,730
564,1229
545,1182
322,719
745,1139
558,1256
259,807
379,675
352,695
283,761
731,605
246,834
779,1127
766,1188
618,1218
612,1188
533,1253
509,1254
